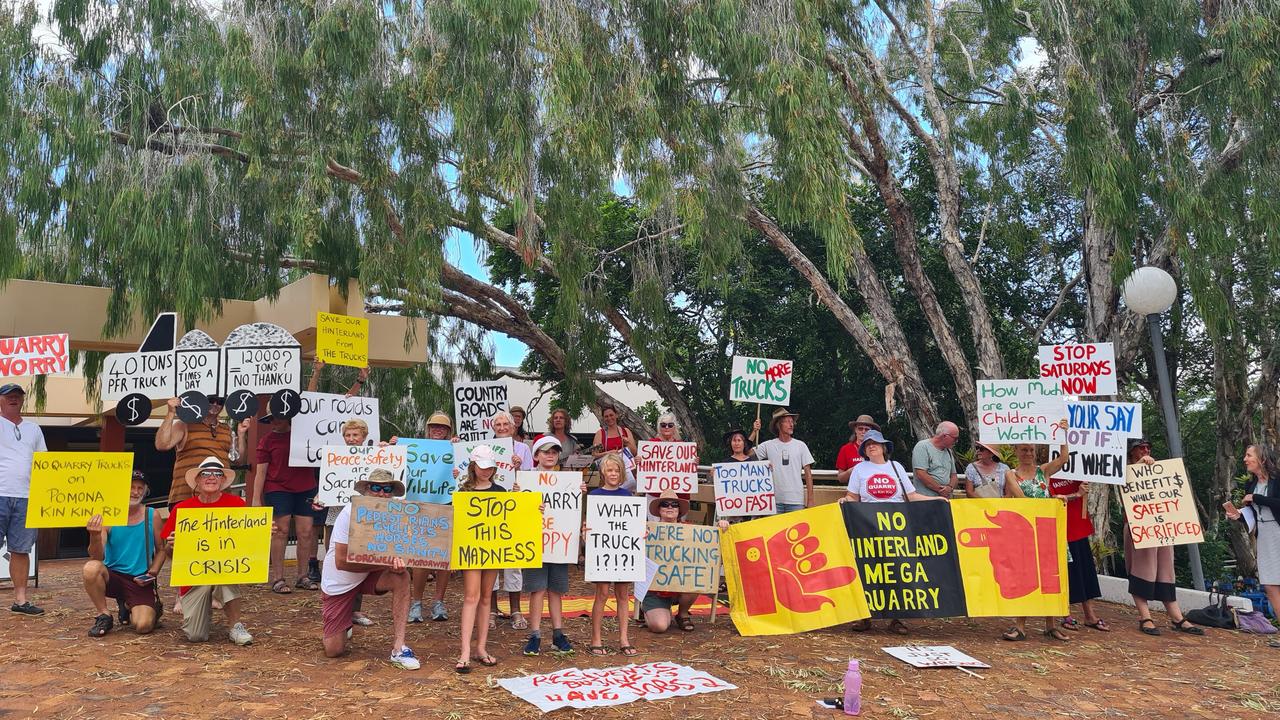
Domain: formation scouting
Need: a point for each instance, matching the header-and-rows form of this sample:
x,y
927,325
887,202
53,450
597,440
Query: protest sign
x,y
907,558
342,339
640,588
760,380
1159,505
146,373
743,488
1097,433
261,357
35,355
1084,369
68,488
561,512
496,530
688,557
593,687
319,423
342,466
791,573
1013,556
1020,411
420,534
428,472
615,539
221,546
933,656
662,466
197,370
507,461
474,405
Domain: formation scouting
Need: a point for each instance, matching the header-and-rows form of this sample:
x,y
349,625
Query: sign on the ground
x,y
933,656
594,687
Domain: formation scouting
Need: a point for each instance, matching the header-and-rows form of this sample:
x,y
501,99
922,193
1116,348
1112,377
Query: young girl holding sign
x,y
613,474
550,581
476,584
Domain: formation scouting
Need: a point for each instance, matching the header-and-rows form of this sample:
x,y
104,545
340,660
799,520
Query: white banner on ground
x,y
590,688
930,656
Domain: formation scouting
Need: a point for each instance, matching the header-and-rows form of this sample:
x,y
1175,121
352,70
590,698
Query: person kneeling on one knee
x,y
656,606
124,563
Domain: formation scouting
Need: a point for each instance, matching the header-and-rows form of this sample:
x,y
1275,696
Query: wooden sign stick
x,y
755,433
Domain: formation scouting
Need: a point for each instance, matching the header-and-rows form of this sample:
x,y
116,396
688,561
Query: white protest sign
x,y
507,460
198,369
932,656
743,488
474,405
662,466
35,355
319,423
261,370
1021,411
1084,369
641,587
592,687
561,512
760,380
342,466
615,541
150,374
1097,435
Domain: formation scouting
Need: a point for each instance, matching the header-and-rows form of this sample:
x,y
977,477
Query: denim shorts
x,y
553,577
13,525
789,507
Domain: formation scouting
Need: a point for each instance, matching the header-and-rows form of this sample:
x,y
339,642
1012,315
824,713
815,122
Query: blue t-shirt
x,y
129,547
616,492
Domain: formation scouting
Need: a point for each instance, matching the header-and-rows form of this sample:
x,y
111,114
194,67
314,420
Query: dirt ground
x,y
50,669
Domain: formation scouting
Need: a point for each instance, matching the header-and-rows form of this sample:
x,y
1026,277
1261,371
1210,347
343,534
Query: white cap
x,y
483,457
545,441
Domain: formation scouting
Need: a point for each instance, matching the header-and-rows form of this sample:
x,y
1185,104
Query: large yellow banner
x,y
496,530
68,488
791,573
1013,556
221,546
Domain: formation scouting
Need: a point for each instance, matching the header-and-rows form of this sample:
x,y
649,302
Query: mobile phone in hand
x,y
146,579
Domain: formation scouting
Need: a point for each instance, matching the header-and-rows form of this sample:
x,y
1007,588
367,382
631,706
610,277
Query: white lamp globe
x,y
1149,291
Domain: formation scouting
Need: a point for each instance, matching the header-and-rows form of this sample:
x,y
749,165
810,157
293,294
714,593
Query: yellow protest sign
x,y
221,546
342,339
1013,556
68,488
791,573
494,530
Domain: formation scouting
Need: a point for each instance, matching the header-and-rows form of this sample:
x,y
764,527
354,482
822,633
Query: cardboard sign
x,y
760,380
561,512
197,370
593,687
743,489
907,558
1159,505
319,423
146,373
420,534
1020,411
496,530
507,464
35,355
933,656
1013,556
1084,369
474,405
1097,433
615,538
662,466
68,488
428,473
342,340
688,557
221,546
261,370
342,466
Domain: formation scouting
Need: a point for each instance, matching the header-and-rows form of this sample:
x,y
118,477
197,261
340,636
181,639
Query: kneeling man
x,y
125,562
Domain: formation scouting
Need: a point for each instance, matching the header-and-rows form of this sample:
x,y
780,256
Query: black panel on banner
x,y
193,405
133,409
906,558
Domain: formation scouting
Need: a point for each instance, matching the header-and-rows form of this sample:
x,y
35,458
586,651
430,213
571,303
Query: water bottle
x,y
853,689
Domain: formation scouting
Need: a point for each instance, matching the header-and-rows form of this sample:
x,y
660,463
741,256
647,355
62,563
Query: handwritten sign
x,y
428,473
687,557
593,687
68,488
221,546
495,530
615,543
342,339
662,466
261,370
319,423
197,369
1097,433
1159,505
1084,369
907,558
743,489
932,656
507,461
420,534
35,355
475,404
760,380
561,512
342,466
146,373
1020,411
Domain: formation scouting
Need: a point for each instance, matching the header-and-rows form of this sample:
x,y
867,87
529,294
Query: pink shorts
x,y
336,609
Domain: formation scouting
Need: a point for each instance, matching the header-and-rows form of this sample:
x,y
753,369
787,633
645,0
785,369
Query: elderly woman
x,y
850,453
1262,494
510,580
668,431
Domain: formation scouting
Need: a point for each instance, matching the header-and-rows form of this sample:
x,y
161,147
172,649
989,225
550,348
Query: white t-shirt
x,y
880,482
788,460
334,581
17,444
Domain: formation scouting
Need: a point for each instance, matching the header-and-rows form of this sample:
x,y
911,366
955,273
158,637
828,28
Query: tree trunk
x,y
671,393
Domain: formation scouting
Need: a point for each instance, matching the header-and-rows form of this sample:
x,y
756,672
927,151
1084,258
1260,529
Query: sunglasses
x,y
210,473
382,488
666,425
669,504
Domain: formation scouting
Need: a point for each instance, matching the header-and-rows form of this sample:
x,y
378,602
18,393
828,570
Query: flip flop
x,y
487,660
685,622
599,650
462,668
860,626
1071,624
1013,634
1100,626
899,627
1056,634
629,650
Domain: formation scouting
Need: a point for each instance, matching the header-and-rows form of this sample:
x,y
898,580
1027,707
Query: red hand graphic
x,y
1011,549
800,572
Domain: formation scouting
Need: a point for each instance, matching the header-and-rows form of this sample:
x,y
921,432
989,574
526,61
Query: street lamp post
x,y
1150,291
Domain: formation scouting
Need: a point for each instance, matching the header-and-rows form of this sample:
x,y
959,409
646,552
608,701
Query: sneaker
x,y
101,626
533,648
26,608
405,659
415,612
437,611
313,571
562,643
363,620
239,635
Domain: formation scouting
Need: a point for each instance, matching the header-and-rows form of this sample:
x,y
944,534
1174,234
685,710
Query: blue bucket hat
x,y
875,437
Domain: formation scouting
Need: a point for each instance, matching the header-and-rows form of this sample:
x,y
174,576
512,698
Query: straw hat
x,y
380,476
211,463
439,418
778,415
863,420
668,495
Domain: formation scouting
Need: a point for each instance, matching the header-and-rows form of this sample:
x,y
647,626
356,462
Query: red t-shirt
x,y
273,449
848,456
224,500
1079,526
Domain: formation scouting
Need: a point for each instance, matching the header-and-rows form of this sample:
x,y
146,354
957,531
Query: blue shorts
x,y
13,525
284,503
789,507
657,602
551,576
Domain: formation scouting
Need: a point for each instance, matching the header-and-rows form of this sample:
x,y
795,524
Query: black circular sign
x,y
285,403
193,405
133,409
242,404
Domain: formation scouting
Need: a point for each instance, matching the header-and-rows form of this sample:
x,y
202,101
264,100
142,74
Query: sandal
x,y
462,667
685,622
599,650
1184,626
306,583
280,587
101,626
860,626
1057,634
519,623
487,660
1013,634
493,621
899,627
629,650
1071,624
1100,626
1152,631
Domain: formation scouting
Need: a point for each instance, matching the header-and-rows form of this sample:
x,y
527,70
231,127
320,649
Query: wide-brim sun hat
x,y
380,476
863,420
777,416
874,436
993,449
211,463
546,441
737,431
668,495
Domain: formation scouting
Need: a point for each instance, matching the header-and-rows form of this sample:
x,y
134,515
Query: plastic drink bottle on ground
x,y
853,689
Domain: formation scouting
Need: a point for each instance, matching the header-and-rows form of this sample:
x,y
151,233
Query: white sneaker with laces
x,y
415,612
239,635
405,659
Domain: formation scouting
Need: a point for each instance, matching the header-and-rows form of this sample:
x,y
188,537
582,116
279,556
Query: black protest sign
x,y
285,403
907,558
133,409
192,406
242,404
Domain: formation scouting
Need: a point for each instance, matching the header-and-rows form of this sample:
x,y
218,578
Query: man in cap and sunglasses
x,y
343,581
19,440
193,441
124,562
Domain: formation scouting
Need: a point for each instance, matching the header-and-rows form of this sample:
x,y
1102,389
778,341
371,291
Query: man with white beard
x,y
124,563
